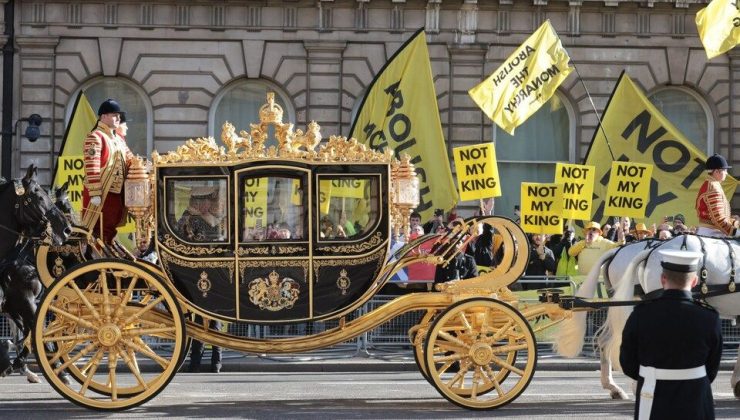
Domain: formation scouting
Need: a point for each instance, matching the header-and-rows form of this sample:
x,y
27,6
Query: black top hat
x,y
110,106
717,161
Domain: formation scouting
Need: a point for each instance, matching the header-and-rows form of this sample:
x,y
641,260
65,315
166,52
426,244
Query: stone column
x,y
725,145
35,89
324,81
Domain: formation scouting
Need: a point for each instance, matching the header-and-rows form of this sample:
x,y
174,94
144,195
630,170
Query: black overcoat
x,y
674,332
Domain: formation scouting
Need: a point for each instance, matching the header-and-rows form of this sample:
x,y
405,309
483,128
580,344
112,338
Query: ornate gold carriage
x,y
288,233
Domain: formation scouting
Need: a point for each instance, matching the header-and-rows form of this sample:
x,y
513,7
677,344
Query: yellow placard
x,y
324,196
348,188
525,81
70,170
638,132
542,208
477,173
578,187
628,191
296,193
255,202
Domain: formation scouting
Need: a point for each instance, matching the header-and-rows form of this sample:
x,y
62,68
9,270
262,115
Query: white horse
x,y
641,266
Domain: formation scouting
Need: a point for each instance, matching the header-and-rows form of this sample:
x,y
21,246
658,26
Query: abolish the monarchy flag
x,y
526,80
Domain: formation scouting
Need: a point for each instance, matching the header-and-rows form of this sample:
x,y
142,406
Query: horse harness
x,y
704,290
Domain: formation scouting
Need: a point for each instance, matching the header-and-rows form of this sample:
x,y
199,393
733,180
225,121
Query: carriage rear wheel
x,y
116,327
480,353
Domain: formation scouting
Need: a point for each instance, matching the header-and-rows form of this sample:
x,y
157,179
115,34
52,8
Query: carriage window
x,y
272,209
197,210
348,206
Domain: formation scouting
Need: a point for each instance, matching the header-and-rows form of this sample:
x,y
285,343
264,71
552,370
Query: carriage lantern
x,y
405,192
137,194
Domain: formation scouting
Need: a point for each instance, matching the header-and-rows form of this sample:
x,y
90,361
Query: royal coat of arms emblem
x,y
272,293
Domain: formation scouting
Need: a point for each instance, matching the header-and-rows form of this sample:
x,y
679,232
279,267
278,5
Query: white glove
x,y
95,201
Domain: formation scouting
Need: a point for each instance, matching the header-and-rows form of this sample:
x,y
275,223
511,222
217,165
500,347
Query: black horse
x,y
26,214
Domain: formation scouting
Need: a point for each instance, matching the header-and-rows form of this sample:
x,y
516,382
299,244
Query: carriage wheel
x,y
473,347
417,340
116,328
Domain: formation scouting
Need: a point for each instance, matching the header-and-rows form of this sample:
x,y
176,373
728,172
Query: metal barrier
x,y
391,339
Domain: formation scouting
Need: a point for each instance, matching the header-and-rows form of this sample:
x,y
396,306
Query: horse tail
x,y
609,335
569,340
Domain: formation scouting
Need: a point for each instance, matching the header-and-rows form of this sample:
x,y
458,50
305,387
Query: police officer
x,y
672,346
712,207
107,158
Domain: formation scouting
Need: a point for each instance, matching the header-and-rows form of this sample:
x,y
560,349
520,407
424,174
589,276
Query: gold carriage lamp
x,y
405,193
137,198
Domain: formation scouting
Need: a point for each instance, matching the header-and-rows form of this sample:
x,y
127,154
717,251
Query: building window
x,y
531,153
239,103
685,109
133,101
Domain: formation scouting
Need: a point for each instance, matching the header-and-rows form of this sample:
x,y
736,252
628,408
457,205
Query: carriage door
x,y
273,247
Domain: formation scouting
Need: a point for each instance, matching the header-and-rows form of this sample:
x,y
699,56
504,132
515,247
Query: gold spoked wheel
x,y
417,336
480,354
116,328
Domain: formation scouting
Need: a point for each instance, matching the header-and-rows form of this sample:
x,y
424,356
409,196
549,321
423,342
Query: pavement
x,y
380,361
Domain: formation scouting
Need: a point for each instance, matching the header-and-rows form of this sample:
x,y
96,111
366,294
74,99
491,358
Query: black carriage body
x,y
313,275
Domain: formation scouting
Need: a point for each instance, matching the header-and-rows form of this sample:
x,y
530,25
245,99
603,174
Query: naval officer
x,y
672,346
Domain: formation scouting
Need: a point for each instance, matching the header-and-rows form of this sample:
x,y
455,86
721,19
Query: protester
x,y
541,259
437,223
590,249
623,225
712,207
566,265
642,232
672,346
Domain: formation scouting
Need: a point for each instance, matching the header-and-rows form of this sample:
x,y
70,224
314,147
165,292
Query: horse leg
x,y
735,380
20,335
607,379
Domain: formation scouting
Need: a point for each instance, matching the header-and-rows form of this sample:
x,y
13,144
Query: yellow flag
x,y
526,80
639,133
719,27
400,111
70,165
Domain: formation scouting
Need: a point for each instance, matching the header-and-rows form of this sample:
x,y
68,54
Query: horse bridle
x,y
28,215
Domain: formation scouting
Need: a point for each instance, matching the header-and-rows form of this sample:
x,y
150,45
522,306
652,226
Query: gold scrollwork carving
x,y
204,284
175,245
374,240
291,144
343,281
274,294
243,265
259,250
169,259
378,256
290,249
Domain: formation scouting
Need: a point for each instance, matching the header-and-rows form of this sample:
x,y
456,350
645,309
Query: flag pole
x,y
598,117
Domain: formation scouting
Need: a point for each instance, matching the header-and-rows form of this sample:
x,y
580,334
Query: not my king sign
x,y
477,174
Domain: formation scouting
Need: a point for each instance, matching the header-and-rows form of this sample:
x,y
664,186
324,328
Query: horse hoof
x,y
32,378
66,380
619,395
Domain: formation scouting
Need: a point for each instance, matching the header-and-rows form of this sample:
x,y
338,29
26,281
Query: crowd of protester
x,y
566,254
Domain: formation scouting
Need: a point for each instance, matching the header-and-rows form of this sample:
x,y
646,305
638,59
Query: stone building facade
x,y
185,66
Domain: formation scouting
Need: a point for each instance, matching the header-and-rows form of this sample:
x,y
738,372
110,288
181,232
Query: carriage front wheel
x,y
480,353
116,328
